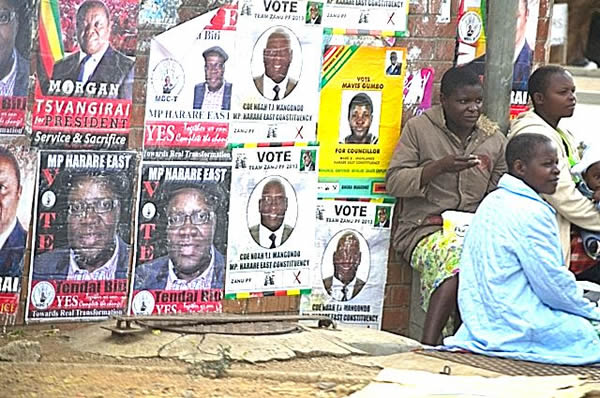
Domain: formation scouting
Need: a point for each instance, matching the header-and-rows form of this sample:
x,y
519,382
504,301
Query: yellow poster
x,y
360,111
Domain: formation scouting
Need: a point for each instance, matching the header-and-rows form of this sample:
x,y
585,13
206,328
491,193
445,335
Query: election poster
x,y
82,235
277,73
160,13
360,115
85,70
374,17
15,18
187,109
273,200
17,178
471,45
181,237
348,278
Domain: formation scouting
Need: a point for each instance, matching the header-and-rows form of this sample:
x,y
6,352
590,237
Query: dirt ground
x,y
63,372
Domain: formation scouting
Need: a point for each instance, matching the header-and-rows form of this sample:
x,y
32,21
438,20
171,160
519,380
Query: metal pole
x,y
500,49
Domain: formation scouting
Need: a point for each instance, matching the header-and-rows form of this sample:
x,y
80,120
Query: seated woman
x,y
448,158
516,297
552,92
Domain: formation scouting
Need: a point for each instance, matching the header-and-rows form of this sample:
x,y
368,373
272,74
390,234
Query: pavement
x,y
403,372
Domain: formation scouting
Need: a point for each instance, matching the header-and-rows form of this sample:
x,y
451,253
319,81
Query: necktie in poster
x,y
15,23
82,236
85,70
359,120
348,279
185,108
182,237
273,199
17,178
277,78
471,45
374,17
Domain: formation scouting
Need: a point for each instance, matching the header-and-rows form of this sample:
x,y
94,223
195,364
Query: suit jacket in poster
x,y
54,265
291,84
287,231
199,90
114,67
22,79
153,275
11,254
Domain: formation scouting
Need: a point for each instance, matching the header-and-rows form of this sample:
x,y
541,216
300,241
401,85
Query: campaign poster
x,y
360,116
418,90
273,200
85,70
15,51
160,13
348,279
277,73
82,235
375,17
17,178
471,45
189,90
181,237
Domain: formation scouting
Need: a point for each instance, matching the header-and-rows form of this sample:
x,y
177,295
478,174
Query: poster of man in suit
x,y
274,98
182,243
197,58
273,243
17,179
348,281
15,46
86,67
82,235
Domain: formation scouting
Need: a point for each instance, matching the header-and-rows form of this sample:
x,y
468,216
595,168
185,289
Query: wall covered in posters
x,y
184,120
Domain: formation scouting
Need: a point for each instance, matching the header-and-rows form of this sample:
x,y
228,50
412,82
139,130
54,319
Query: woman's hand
x,y
448,164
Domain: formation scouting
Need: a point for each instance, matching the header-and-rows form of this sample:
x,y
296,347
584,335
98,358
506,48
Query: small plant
x,y
216,368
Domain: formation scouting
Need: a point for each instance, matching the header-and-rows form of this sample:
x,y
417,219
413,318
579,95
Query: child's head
x,y
533,158
589,168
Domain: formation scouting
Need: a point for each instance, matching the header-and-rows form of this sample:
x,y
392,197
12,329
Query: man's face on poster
x,y
93,218
522,15
190,231
346,258
93,29
214,69
314,11
9,25
307,157
272,205
382,214
393,58
360,118
10,192
277,56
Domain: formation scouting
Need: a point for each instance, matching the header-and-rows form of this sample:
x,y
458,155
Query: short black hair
x,y
458,77
212,193
117,182
539,81
86,5
523,147
6,154
360,99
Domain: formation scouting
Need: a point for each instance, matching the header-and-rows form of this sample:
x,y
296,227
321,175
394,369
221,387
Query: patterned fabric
x,y
202,281
106,272
213,100
436,257
580,261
